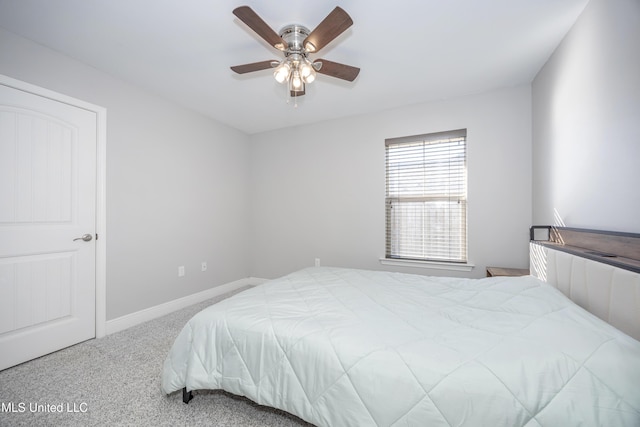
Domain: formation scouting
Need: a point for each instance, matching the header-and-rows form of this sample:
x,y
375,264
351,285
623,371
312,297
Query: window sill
x,y
428,264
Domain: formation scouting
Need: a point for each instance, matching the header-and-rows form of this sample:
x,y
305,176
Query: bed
x,y
347,347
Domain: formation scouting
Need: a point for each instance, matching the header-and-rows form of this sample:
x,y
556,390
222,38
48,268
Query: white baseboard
x,y
133,319
255,281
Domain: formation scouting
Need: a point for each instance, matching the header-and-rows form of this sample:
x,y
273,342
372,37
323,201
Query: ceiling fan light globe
x,y
296,81
310,77
305,69
280,77
281,73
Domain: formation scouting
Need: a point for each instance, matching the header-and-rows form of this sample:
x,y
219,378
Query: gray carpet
x,y
116,381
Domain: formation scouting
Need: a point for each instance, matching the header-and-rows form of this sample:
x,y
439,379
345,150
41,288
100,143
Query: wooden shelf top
x,y
503,271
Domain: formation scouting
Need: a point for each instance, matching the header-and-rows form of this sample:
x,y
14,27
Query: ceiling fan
x,y
296,42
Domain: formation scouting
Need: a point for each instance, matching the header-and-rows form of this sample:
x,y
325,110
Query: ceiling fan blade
x,y
254,66
253,21
335,69
331,27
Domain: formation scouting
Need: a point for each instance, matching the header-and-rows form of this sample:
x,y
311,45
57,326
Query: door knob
x,y
86,237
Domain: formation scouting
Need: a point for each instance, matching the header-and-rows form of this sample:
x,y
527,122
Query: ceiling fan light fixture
x,y
296,80
307,72
281,73
310,78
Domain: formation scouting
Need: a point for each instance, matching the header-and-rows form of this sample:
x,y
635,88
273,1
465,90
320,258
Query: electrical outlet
x,y
204,265
317,262
181,271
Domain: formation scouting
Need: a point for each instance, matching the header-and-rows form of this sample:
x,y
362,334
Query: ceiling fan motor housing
x,y
294,35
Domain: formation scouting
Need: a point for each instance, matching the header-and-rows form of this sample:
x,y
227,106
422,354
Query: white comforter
x,y
341,347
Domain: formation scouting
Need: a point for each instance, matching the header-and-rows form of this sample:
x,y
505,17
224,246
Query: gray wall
x,y
182,188
176,183
318,191
586,123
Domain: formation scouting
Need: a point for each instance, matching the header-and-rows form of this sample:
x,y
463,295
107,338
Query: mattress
x,y
344,347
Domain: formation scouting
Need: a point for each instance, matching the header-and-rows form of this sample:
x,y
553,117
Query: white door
x,y
47,201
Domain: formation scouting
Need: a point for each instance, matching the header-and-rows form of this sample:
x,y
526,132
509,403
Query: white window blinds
x,y
426,197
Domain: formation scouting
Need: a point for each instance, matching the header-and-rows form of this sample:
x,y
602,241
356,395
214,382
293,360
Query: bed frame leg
x,y
186,395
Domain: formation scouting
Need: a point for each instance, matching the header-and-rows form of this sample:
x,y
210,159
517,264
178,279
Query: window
x,y
426,197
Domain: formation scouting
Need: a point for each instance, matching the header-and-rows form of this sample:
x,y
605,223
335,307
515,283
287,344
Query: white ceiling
x,y
409,51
